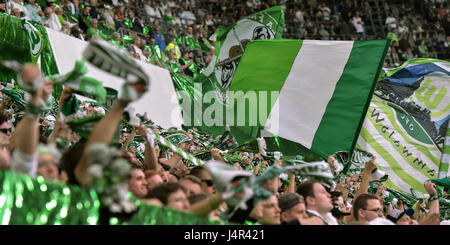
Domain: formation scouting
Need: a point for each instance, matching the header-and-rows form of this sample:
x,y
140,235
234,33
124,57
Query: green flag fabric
x,y
216,78
231,42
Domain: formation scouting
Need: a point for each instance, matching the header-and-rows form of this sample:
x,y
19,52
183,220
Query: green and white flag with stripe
x,y
315,93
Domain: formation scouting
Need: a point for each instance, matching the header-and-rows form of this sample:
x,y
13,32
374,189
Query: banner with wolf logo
x,y
407,123
231,43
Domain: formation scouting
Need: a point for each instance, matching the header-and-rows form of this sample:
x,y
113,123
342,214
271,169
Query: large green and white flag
x,y
314,93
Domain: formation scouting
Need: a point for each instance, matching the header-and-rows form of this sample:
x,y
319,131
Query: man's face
x,y
5,157
116,36
191,187
47,167
270,212
405,220
340,203
207,184
16,13
137,183
153,181
138,41
48,12
94,24
4,128
373,210
297,212
322,199
178,201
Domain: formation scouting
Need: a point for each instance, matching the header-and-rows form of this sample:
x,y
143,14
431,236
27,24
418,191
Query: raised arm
x,y
150,158
215,153
106,128
130,139
432,217
291,187
58,125
26,136
103,133
369,167
204,207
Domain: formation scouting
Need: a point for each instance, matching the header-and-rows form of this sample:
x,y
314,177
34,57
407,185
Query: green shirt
x,y
94,32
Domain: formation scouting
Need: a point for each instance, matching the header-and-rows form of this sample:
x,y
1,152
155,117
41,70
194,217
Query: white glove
x,y
338,167
151,139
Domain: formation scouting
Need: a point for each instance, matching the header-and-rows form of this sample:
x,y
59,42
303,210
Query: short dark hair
x,y
192,178
197,171
361,203
150,173
3,118
194,198
335,195
306,189
162,191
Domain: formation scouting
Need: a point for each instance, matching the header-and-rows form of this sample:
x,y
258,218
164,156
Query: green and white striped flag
x,y
189,157
316,92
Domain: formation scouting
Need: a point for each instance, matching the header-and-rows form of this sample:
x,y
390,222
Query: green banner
x,y
28,201
229,47
25,41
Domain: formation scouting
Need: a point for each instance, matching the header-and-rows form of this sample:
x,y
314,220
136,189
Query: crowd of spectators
x,y
418,29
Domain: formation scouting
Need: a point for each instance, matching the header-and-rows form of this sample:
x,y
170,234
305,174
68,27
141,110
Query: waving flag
x,y
407,123
323,89
231,43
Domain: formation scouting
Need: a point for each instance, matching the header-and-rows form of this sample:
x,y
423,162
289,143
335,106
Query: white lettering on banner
x,y
245,109
34,37
404,151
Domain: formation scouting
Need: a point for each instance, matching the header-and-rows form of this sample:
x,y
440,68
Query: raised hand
x,y
370,165
430,188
